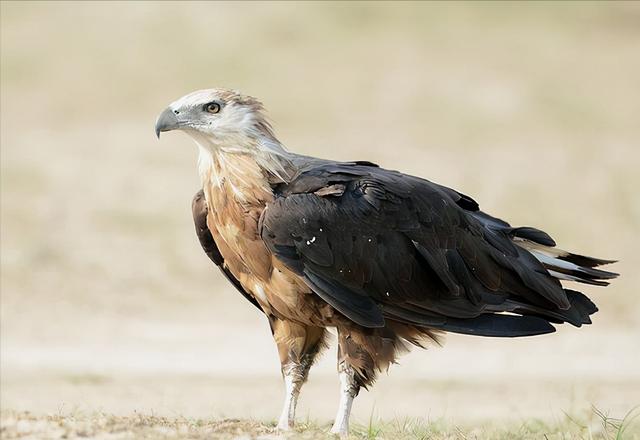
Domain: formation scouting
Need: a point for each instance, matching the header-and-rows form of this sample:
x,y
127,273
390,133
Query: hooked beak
x,y
167,121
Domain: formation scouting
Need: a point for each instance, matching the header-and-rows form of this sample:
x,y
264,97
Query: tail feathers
x,y
531,234
582,304
593,277
564,268
584,261
577,314
564,265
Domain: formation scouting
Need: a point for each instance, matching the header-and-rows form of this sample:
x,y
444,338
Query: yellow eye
x,y
212,107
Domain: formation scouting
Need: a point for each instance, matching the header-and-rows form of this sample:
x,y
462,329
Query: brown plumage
x,y
387,259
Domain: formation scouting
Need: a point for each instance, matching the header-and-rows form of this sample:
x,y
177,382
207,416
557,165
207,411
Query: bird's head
x,y
216,117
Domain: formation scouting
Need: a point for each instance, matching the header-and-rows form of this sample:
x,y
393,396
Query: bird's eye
x,y
212,107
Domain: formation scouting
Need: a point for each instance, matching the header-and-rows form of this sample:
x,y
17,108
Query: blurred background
x,y
108,302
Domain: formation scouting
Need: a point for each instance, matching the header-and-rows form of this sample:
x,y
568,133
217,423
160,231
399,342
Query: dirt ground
x,y
114,324
104,426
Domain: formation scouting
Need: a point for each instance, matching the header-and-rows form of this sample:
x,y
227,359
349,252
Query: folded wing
x,y
378,245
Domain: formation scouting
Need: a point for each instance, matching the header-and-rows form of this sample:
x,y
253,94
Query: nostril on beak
x,y
167,121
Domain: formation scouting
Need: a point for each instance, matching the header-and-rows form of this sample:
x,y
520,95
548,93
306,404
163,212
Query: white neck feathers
x,y
242,163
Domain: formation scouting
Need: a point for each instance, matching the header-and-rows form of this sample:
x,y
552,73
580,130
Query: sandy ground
x,y
107,302
203,375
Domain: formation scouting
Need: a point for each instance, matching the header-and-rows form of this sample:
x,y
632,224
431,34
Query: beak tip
x,y
166,121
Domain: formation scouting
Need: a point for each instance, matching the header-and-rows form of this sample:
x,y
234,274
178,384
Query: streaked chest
x,y
237,193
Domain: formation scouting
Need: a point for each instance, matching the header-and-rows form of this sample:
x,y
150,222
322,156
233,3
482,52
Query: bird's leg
x,y
356,369
349,388
294,376
298,346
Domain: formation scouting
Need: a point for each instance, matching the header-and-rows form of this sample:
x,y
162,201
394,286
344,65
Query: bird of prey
x,y
387,259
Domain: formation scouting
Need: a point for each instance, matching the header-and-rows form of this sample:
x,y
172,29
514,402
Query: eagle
x,y
387,259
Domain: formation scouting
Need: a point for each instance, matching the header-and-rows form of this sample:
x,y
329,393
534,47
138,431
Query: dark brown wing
x,y
377,244
200,211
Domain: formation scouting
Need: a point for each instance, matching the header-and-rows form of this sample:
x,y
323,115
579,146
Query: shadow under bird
x,y
389,260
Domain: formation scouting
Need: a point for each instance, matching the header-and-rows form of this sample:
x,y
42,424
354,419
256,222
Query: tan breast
x,y
236,196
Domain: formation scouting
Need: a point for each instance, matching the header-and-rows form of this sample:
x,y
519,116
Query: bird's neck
x,y
245,170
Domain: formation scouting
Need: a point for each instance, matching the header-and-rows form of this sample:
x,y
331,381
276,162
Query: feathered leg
x,y
298,346
356,369
349,388
362,353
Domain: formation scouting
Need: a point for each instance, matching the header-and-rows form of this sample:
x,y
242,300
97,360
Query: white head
x,y
218,118
223,122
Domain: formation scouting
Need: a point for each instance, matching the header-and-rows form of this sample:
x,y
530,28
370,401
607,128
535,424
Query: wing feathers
x,y
497,325
378,244
359,308
436,260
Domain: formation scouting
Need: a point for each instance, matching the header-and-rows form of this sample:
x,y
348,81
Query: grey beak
x,y
166,121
